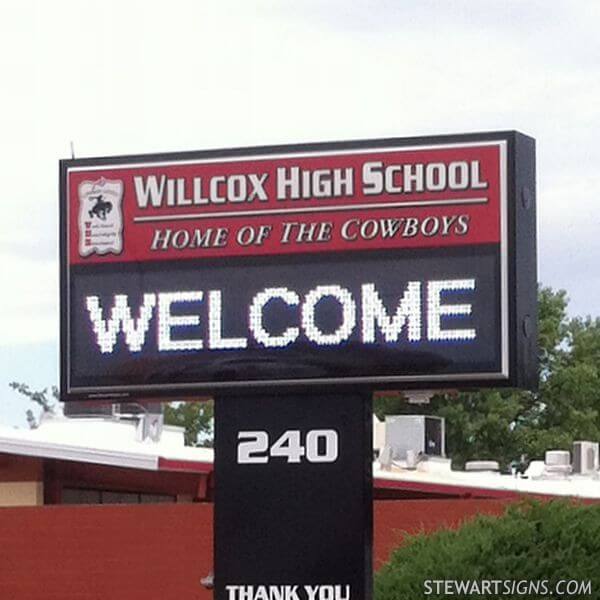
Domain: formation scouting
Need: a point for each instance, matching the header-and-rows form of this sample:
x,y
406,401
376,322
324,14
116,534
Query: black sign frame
x,y
519,300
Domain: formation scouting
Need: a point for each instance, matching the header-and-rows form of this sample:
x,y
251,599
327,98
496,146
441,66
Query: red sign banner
x,y
324,201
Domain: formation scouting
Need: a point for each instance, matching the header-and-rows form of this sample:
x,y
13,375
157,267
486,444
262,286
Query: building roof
x,y
446,482
116,442
103,441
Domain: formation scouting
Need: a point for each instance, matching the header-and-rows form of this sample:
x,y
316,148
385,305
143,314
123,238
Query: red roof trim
x,y
184,466
437,488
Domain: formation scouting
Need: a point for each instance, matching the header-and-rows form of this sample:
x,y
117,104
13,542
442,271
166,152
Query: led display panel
x,y
386,263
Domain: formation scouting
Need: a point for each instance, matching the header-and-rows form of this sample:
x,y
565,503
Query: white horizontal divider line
x,y
305,210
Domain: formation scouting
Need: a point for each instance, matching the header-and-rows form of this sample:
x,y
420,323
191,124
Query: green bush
x,y
533,541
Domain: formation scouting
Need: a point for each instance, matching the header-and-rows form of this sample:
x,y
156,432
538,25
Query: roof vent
x,y
385,458
482,466
149,427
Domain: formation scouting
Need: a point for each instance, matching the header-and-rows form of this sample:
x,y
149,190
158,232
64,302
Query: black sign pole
x,y
293,497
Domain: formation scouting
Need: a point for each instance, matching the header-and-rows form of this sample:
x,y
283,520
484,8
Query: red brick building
x,y
92,511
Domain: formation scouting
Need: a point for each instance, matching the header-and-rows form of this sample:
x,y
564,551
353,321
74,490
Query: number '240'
x,y
320,446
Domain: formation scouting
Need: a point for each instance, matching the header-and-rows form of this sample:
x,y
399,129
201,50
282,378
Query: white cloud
x,y
569,244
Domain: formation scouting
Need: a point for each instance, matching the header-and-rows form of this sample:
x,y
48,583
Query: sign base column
x,y
293,497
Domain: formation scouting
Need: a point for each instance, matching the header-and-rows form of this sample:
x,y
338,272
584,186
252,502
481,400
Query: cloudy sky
x,y
143,76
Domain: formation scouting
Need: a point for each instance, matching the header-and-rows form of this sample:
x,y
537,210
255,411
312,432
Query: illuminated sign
x,y
398,262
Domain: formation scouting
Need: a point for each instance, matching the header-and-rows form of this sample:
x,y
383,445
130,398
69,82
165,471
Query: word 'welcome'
x,y
416,315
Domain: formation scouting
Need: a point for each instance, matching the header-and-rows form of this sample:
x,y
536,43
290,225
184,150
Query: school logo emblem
x,y
100,217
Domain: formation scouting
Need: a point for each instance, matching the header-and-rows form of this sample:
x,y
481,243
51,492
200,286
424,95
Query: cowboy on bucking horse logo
x,y
100,217
101,208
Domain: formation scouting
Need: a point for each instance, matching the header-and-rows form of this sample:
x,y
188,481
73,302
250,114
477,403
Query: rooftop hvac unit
x,y
422,434
586,457
557,462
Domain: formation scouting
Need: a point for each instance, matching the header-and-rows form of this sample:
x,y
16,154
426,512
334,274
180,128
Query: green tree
x,y
195,417
533,542
567,406
47,399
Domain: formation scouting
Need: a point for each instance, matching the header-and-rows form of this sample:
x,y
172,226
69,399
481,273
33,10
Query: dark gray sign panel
x,y
385,263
